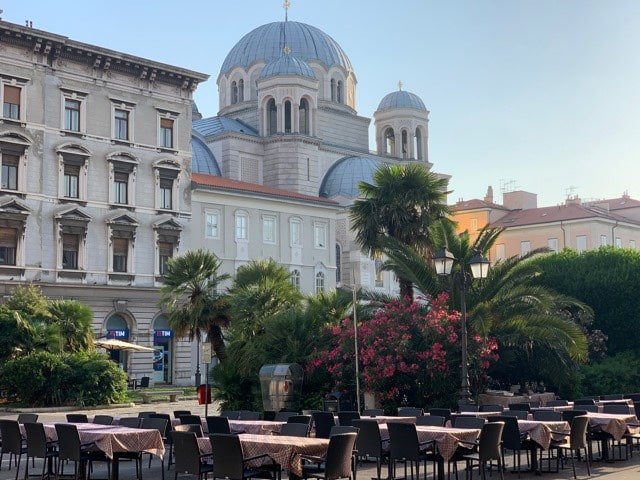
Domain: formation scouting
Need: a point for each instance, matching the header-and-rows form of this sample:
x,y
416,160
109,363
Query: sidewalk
x,y
620,470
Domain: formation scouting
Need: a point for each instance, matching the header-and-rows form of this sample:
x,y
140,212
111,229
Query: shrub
x,y
617,374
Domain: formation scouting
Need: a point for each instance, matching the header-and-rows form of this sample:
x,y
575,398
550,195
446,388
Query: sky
x,y
537,95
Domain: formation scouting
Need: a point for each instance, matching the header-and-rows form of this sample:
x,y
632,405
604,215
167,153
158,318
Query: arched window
x,y
417,144
272,117
405,144
295,279
319,282
333,90
303,112
241,90
287,116
234,93
390,141
338,263
339,95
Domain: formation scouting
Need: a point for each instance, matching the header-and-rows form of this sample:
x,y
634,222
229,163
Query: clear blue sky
x,y
540,95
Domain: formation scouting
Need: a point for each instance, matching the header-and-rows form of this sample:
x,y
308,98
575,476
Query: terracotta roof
x,y
618,203
475,204
253,188
559,213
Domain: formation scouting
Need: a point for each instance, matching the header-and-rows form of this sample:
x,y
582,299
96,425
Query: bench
x,y
172,394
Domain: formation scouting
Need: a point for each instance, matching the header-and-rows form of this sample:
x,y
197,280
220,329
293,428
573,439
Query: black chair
x,y
584,401
284,416
547,416
145,414
323,421
589,408
27,417
431,420
12,442
190,427
39,447
520,414
346,417
188,419
410,412
441,412
179,413
77,418
144,382
468,408
168,438
294,430
230,414
338,429
616,409
103,419
406,448
466,421
520,406
248,415
513,440
612,396
488,449
159,424
577,440
300,419
188,459
372,412
569,415
369,443
130,422
230,463
337,462
557,403
70,448
491,408
219,424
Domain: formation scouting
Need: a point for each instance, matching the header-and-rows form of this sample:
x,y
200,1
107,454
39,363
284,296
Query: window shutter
x,y
8,237
12,95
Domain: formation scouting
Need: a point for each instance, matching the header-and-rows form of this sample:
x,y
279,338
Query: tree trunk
x,y
406,289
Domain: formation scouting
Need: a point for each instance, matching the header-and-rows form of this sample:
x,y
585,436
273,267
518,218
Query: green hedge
x,y
47,379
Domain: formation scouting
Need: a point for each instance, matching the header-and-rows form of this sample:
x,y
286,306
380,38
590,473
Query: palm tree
x,y
402,203
74,321
191,299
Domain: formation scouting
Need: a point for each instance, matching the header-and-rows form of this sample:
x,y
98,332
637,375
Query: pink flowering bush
x,y
409,354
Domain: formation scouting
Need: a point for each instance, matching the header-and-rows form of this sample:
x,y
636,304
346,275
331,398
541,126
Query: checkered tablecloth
x,y
447,439
541,431
613,424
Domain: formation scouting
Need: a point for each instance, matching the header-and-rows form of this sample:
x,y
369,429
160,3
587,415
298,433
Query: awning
x,y
114,344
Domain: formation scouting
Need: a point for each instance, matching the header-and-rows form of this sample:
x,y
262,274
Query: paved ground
x,y
623,470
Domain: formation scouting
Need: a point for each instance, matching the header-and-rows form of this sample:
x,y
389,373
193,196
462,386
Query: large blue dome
x,y
345,175
287,65
267,43
401,99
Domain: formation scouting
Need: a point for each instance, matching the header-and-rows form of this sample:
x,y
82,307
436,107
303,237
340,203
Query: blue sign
x,y
118,333
163,333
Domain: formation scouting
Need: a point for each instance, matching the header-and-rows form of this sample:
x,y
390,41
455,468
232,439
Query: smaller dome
x,y
287,65
401,99
202,158
345,175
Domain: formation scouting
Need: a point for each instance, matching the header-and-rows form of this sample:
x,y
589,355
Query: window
x,y
618,242
338,263
473,224
339,92
241,90
8,245
120,187
405,144
632,244
319,282
269,229
390,142
272,117
166,133
70,249
417,144
295,227
500,251
166,193
10,171
320,235
303,116
333,90
241,226
552,243
603,240
287,116
121,124
581,243
525,247
234,92
11,102
71,180
212,224
165,253
295,279
120,254
72,115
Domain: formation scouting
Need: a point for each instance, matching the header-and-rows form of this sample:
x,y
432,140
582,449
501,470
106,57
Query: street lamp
x,y
443,262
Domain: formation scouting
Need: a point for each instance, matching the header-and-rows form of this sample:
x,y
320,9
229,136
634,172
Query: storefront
x,y
118,328
163,346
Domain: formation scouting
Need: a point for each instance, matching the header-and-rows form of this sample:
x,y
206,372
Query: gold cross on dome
x,y
400,85
286,5
287,50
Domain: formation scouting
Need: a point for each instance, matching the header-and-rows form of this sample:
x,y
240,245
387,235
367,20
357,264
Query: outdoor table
x,y
504,400
616,425
388,418
285,450
256,427
114,439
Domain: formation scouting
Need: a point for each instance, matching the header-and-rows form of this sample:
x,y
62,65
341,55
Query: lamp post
x,y
198,375
355,340
443,262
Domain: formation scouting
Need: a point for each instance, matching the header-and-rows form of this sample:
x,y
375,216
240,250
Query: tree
x,y
73,320
190,296
402,203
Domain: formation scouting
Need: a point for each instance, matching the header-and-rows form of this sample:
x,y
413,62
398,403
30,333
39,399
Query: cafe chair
x,y
188,419
145,414
431,421
491,408
144,382
369,443
168,438
406,448
617,409
230,414
346,417
248,415
465,421
410,412
39,447
557,403
519,414
130,422
220,424
612,396
27,417
520,406
441,412
190,427
103,419
293,430
283,416
547,416
488,449
159,424
77,418
188,459
300,419
577,440
372,412
336,464
322,422
513,440
468,408
179,413
12,442
230,463
71,449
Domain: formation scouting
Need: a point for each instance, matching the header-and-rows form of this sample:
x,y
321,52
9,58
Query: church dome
x,y
344,176
202,158
287,65
267,43
401,99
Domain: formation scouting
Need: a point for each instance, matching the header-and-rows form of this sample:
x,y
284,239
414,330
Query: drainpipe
x,y
564,236
613,237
